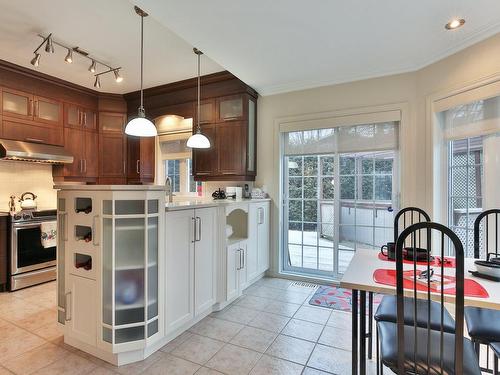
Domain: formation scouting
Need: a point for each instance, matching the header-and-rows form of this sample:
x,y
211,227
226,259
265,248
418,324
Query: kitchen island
x,y
134,272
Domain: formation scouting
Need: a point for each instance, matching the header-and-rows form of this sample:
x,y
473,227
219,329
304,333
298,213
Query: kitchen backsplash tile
x,y
19,177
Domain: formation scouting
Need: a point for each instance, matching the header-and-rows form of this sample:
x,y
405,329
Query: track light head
x,y
97,83
118,77
35,61
69,56
92,67
49,46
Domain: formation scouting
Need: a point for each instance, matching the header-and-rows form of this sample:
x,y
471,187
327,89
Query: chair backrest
x,y
408,216
486,230
443,237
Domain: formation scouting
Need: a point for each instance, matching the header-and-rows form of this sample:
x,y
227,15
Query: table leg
x,y
370,325
362,333
354,330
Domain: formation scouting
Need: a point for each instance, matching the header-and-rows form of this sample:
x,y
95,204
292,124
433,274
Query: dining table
x,y
359,277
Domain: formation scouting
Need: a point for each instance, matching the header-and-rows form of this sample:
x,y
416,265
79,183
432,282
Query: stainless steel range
x,y
33,247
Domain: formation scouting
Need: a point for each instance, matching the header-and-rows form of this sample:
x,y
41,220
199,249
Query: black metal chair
x,y
479,320
495,346
387,311
413,349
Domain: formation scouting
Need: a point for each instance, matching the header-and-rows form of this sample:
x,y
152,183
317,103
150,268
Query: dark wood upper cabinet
x,y
47,111
205,161
112,155
80,117
231,108
207,111
140,160
231,148
17,104
112,122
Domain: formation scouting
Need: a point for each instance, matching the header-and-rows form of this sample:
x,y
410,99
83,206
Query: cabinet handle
x,y
198,220
67,307
243,258
94,235
124,171
194,230
30,108
84,118
239,260
84,165
81,165
34,140
138,167
228,173
35,113
80,122
230,118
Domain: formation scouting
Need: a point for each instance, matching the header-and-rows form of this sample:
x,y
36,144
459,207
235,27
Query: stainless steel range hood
x,y
33,152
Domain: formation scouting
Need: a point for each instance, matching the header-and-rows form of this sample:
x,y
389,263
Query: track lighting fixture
x,y
49,47
49,43
36,60
69,56
118,77
92,67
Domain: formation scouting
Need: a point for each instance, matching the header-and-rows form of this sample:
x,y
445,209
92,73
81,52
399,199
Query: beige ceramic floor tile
x,y
337,337
291,349
254,338
266,292
71,364
9,331
291,297
198,349
38,319
218,329
176,342
274,282
313,314
340,319
270,322
234,360
303,330
4,371
275,366
136,367
208,371
253,302
101,371
312,371
49,331
237,314
18,345
330,359
170,365
18,310
282,308
33,360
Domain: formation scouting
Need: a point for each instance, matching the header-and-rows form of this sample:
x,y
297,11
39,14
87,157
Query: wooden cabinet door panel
x,y
112,155
30,133
231,148
74,143
89,119
110,122
17,104
204,257
231,108
48,111
205,160
147,159
91,156
133,158
72,115
207,112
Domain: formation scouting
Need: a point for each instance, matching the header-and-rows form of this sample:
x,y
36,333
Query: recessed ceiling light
x,y
454,24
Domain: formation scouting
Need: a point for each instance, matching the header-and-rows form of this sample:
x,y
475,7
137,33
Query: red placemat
x,y
388,277
435,262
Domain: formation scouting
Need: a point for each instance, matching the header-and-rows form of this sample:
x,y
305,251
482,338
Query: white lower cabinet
x,y
80,316
191,243
236,272
258,243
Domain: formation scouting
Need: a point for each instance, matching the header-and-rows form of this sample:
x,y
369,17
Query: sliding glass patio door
x,y
336,202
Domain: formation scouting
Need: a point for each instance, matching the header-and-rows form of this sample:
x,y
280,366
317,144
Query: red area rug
x,y
337,298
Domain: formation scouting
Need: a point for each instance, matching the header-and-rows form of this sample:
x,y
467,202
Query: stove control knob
x,y
17,217
26,216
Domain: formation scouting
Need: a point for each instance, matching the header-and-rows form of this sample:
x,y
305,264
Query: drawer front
x,y
29,133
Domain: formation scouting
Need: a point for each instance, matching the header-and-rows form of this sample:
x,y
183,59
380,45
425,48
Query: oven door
x,y
28,254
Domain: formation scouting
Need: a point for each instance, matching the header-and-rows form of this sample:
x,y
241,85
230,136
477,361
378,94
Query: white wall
x,y
475,63
19,177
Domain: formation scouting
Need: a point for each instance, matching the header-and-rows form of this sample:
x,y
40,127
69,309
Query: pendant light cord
x,y
141,108
199,94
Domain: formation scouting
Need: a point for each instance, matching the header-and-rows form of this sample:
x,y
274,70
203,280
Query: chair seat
x,y
389,351
483,324
387,312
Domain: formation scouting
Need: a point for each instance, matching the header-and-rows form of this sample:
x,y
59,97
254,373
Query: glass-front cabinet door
x,y
48,111
130,271
17,104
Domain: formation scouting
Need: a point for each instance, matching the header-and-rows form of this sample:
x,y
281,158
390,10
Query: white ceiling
x,y
285,45
107,29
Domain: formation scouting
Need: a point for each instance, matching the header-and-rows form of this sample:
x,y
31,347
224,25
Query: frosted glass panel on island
x,y
152,267
129,334
153,206
129,207
107,207
107,271
152,328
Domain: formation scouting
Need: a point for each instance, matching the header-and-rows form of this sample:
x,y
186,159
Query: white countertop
x,y
203,203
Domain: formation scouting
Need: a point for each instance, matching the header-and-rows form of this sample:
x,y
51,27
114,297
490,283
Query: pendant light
x,y
141,126
198,140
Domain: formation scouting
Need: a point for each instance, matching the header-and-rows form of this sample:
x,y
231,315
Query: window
x,y
338,195
465,188
179,171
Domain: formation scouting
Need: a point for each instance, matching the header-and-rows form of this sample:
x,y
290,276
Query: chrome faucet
x,y
168,189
